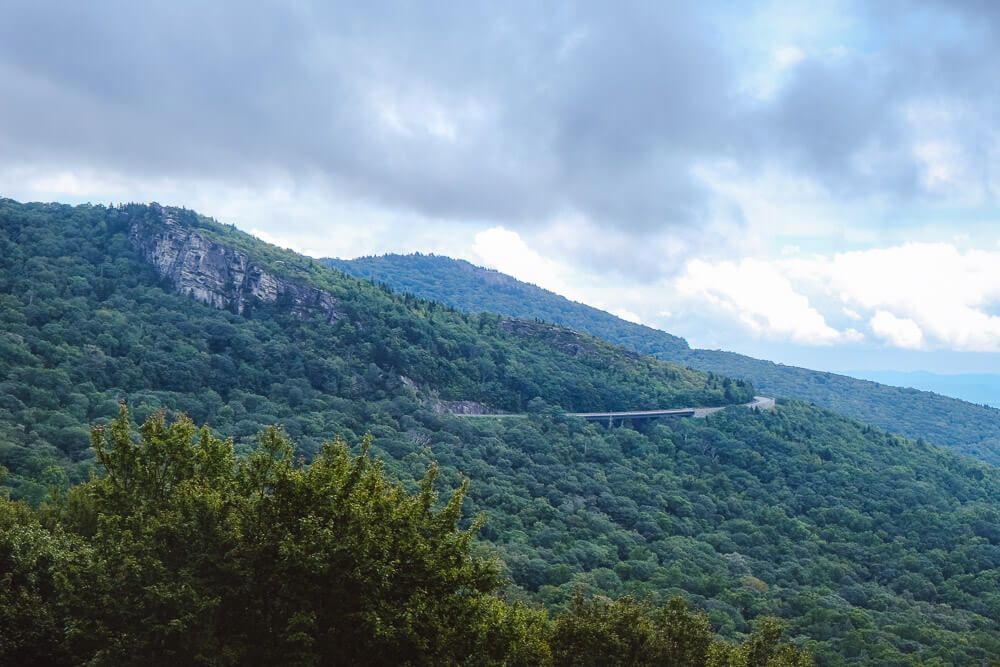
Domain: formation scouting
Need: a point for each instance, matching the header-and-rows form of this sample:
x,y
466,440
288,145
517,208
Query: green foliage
x,y
871,548
31,558
599,631
476,290
969,428
181,553
84,323
849,534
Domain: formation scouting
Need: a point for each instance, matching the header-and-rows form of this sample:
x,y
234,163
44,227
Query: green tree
x,y
194,556
763,648
599,631
30,557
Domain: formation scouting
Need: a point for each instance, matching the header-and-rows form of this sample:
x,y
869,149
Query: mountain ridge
x,y
575,315
969,428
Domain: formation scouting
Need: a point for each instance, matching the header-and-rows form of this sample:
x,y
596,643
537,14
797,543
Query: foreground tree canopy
x,y
180,552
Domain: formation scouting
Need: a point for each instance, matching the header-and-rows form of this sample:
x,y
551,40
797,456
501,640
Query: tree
x,y
186,554
623,632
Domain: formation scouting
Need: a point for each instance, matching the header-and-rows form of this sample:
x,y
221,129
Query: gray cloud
x,y
513,113
843,117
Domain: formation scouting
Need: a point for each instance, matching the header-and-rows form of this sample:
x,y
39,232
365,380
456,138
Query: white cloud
x,y
71,184
941,163
760,297
900,331
627,315
788,56
416,112
307,218
947,142
504,250
946,292
280,241
913,296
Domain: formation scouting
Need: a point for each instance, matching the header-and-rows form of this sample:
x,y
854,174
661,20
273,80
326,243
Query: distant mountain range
x,y
969,428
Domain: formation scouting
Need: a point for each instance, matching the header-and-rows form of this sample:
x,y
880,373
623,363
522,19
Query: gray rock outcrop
x,y
219,275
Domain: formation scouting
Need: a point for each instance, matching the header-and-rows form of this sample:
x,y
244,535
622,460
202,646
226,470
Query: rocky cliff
x,y
218,275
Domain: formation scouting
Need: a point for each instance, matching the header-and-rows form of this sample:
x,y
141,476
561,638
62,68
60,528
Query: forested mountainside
x,y
101,304
872,548
971,429
473,289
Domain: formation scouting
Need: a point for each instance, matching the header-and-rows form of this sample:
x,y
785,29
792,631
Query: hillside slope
x,y
474,289
165,308
971,429
875,549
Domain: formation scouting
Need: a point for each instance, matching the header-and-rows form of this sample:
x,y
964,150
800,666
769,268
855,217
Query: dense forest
x,y
969,428
181,553
973,430
871,548
473,289
85,323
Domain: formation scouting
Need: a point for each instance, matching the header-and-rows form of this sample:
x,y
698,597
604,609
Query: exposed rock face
x,y
217,275
460,407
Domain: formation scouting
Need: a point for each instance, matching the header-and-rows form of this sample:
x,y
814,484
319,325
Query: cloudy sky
x,y
814,183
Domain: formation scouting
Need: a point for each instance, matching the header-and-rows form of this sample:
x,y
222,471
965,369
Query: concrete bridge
x,y
758,403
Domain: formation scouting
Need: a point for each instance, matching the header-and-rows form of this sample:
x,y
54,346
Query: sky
x,y
814,183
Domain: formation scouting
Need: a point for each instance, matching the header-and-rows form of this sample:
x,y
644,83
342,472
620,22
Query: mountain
x,y
874,549
473,289
968,428
149,304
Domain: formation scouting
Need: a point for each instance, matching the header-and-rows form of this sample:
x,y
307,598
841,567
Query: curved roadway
x,y
758,403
